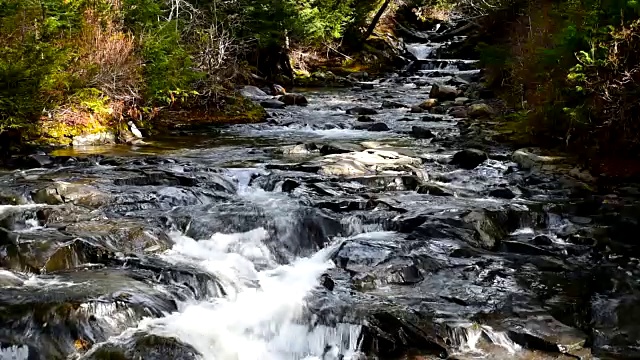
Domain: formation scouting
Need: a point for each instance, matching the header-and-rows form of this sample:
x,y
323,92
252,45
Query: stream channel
x,y
324,233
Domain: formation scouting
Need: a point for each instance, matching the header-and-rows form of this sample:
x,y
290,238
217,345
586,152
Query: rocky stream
x,y
373,223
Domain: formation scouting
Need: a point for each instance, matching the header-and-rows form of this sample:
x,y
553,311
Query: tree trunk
x,y
376,19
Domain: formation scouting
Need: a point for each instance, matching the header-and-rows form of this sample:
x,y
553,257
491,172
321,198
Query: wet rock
x,y
294,99
365,118
458,112
101,138
121,235
615,326
440,110
37,161
99,304
359,75
339,148
433,189
481,110
386,104
416,109
253,93
144,346
372,127
272,104
78,194
489,227
359,110
542,332
529,159
469,158
428,104
366,86
289,185
456,81
327,282
459,101
420,132
502,193
431,118
368,162
443,92
518,247
543,240
300,149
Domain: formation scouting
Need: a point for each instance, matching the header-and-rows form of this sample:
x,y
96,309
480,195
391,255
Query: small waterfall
x,y
501,339
14,353
263,315
422,51
465,339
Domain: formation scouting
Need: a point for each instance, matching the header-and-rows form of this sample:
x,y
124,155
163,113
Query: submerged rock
x,y
359,110
386,104
372,127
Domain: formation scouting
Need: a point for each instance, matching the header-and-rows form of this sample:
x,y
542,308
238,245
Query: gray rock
x,y
443,92
433,189
78,194
294,99
529,159
420,132
253,93
502,193
469,158
416,109
272,104
365,118
359,110
372,127
386,104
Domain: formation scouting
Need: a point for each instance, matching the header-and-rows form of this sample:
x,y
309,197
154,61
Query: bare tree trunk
x,y
376,19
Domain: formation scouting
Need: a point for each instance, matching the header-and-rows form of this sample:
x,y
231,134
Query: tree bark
x,y
376,19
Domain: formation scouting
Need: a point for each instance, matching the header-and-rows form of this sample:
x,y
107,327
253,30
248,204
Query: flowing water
x,y
244,244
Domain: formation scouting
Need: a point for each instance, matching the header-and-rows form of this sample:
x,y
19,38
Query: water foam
x,y
263,315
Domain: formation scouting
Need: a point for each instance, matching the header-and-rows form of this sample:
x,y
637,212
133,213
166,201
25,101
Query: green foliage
x,y
168,67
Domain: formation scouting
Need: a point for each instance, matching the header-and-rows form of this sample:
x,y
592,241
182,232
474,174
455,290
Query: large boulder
x,y
253,93
443,92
